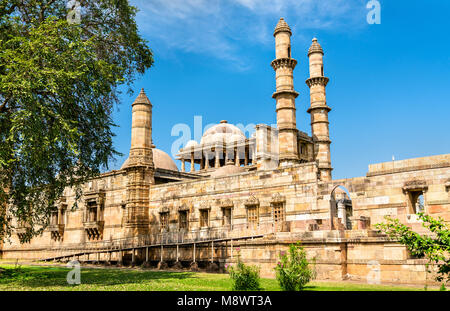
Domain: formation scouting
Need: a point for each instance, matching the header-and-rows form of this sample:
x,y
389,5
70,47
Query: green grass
x,y
43,278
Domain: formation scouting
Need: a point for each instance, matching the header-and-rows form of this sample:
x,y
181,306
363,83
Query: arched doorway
x,y
341,207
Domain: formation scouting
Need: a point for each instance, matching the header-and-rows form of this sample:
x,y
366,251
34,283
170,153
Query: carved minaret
x,y
285,95
140,168
319,111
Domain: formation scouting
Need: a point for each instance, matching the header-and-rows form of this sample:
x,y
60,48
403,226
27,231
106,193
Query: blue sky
x,y
389,83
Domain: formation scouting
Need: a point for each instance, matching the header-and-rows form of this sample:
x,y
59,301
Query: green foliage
x,y
293,271
435,246
58,86
244,277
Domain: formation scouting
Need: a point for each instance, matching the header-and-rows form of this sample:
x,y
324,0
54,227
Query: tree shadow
x,y
38,277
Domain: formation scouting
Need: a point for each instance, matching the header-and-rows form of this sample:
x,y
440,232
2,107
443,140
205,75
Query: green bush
x,y
293,271
435,246
244,277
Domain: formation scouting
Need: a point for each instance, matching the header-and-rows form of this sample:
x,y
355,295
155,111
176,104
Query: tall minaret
x,y
285,95
319,110
140,168
141,132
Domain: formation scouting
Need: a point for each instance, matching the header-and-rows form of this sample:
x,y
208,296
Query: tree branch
x,y
3,107
43,8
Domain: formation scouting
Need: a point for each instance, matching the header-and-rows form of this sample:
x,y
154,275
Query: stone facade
x,y
259,194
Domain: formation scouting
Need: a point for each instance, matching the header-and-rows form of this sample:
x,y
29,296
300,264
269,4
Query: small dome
x,y
163,160
160,160
228,169
236,138
222,132
282,26
190,144
315,47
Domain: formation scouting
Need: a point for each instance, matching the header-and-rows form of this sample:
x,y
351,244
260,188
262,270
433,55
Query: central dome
x,y
222,132
160,160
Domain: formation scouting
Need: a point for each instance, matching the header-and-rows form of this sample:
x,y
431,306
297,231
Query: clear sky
x,y
389,82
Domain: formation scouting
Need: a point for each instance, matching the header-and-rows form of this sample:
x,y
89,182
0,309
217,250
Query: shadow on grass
x,y
34,277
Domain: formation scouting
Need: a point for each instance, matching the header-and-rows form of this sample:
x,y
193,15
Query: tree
x,y
434,246
59,82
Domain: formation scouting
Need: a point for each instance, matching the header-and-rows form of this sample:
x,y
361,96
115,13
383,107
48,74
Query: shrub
x,y
293,271
435,246
244,277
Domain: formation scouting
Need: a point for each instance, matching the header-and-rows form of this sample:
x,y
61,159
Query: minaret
x,y
140,168
285,95
319,111
141,132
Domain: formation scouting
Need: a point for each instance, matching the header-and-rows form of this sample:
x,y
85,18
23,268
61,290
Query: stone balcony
x,y
94,229
56,231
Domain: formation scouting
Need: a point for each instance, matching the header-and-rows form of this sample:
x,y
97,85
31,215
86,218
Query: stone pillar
x,y
237,161
59,216
183,167
246,156
120,258
341,212
217,159
319,111
285,95
192,162
206,160
97,216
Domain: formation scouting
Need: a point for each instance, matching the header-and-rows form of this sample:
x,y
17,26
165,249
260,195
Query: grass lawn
x,y
42,278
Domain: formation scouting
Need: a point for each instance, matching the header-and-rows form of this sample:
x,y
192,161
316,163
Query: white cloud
x,y
218,28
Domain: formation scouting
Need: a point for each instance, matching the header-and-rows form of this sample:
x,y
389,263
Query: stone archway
x,y
341,208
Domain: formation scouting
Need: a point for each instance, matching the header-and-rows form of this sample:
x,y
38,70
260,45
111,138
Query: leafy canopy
x,y
58,85
434,246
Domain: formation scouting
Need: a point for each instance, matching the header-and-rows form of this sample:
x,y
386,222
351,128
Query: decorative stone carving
x,y
277,198
283,62
226,203
415,185
317,80
252,200
183,207
204,205
164,209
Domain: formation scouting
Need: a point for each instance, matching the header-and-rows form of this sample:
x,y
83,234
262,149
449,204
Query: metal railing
x,y
229,232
